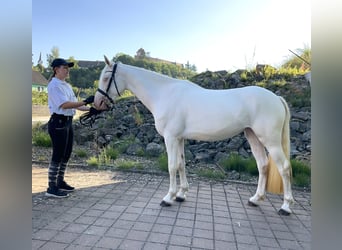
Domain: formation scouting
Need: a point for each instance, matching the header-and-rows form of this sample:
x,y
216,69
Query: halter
x,y
112,79
88,119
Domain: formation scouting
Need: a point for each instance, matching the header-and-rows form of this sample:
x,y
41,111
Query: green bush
x,y
239,164
211,174
81,153
128,165
112,153
103,158
251,166
233,162
122,145
299,167
163,163
41,138
301,180
40,98
301,173
93,161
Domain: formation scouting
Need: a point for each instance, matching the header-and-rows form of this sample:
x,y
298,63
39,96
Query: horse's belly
x,y
211,133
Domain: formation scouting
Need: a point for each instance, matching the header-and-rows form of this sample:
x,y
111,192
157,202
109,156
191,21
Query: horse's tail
x,y
274,181
285,140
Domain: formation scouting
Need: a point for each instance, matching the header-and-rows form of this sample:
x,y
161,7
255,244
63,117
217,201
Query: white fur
x,y
183,110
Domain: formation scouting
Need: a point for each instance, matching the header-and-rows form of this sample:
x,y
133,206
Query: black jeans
x,y
62,137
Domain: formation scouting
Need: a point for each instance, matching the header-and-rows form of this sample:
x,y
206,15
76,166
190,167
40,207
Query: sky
x,y
212,35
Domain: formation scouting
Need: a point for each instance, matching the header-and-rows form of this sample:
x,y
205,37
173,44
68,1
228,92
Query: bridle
x,y
112,79
88,118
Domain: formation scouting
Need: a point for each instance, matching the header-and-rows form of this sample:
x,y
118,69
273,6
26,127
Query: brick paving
x,y
124,213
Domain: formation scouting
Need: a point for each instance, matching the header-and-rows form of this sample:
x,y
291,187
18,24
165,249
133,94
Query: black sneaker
x,y
65,186
55,192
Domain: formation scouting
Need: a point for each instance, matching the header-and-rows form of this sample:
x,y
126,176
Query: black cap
x,y
60,61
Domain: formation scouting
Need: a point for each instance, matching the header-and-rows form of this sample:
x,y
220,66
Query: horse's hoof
x,y
180,199
283,212
252,204
165,204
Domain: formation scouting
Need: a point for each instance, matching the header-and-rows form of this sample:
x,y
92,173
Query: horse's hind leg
x,y
184,186
260,156
284,168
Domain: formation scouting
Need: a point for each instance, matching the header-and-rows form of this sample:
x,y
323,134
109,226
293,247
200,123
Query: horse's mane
x,y
153,73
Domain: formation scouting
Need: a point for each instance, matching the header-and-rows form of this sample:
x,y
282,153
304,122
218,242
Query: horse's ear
x,y
107,61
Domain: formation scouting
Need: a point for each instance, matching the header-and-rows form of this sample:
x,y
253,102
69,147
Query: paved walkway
x,y
115,210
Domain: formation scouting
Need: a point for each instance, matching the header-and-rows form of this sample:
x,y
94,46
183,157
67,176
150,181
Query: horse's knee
x,y
172,170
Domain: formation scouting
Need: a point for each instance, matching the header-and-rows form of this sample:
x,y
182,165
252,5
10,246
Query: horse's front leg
x,y
172,145
184,185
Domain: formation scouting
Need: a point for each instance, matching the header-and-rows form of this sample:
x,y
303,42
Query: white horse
x,y
184,110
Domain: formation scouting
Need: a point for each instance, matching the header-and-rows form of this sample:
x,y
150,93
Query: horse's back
x,y
218,114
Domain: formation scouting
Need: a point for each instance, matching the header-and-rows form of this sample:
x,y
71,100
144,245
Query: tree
x,y
295,62
54,54
72,59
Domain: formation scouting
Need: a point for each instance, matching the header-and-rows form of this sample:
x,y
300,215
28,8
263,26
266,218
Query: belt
x,y
62,117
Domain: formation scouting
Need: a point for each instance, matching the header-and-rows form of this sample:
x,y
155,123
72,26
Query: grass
x,y
93,161
301,172
211,174
138,117
105,158
129,165
122,145
80,153
239,164
163,163
111,153
40,138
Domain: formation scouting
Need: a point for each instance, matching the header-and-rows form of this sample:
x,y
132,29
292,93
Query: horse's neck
x,y
143,84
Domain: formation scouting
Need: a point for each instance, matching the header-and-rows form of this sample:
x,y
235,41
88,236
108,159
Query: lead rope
x,y
87,119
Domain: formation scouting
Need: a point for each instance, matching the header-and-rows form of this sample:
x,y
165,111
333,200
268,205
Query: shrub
x,y
138,116
41,138
127,165
163,163
122,145
112,153
92,161
239,164
301,173
80,153
103,158
299,167
40,98
234,162
211,174
301,180
251,166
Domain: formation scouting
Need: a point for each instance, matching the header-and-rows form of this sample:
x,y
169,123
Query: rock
x,y
153,149
135,149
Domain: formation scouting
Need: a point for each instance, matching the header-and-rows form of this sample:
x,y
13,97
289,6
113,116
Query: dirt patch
x,y
78,177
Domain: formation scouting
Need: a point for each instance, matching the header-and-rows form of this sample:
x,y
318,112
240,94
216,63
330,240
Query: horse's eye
x,y
105,79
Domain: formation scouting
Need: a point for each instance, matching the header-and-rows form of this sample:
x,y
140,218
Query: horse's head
x,y
108,89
